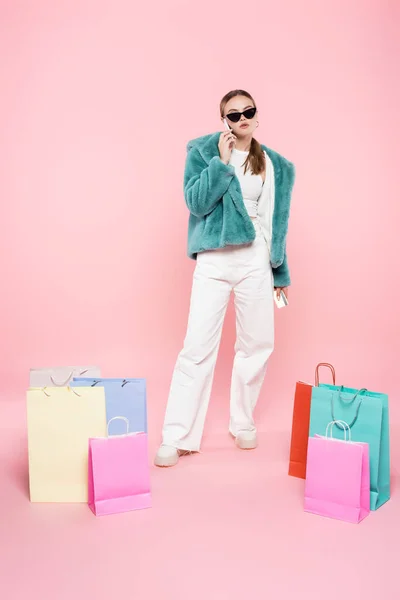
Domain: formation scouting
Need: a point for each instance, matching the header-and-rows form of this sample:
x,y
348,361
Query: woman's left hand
x,y
283,289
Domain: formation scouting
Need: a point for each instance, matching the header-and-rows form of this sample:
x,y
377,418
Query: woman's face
x,y
244,127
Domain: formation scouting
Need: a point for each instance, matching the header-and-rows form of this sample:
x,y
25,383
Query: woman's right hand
x,y
226,142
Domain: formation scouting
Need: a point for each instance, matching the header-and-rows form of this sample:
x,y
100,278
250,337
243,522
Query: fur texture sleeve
x,y
205,185
287,176
281,274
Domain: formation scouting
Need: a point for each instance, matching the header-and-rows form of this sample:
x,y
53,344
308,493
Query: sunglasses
x,y
235,116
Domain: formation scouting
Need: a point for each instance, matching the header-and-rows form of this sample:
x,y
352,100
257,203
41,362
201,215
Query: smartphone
x,y
226,125
283,301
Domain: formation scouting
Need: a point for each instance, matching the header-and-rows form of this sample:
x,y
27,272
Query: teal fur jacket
x,y
218,216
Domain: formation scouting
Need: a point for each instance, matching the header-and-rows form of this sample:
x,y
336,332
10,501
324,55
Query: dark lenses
x,y
235,116
249,113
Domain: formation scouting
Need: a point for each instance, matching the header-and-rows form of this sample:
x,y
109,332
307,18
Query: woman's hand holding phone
x,y
226,143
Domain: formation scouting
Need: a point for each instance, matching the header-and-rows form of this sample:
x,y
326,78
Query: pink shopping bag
x,y
337,477
119,475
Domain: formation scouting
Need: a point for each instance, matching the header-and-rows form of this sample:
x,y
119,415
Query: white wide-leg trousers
x,y
247,271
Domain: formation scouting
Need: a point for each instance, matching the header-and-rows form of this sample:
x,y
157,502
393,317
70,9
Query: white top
x,y
251,184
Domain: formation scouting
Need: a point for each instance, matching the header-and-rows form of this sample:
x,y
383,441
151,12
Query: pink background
x,y
98,101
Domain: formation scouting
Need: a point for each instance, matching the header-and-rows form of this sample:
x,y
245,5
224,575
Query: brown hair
x,y
255,159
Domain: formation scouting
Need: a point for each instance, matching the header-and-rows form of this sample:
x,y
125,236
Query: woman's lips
x,y
243,126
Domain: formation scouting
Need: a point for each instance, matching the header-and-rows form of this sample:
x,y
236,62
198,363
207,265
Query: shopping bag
x,y
60,423
301,423
337,479
59,376
119,475
124,397
367,414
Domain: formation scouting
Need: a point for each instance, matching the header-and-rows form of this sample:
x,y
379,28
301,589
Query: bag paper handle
x,y
70,389
340,391
343,425
347,402
124,382
63,384
116,419
317,372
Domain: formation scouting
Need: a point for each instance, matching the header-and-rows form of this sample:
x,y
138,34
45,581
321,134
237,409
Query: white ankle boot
x,y
168,456
246,440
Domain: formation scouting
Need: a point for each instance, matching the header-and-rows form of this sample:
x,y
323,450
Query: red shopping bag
x,y
301,423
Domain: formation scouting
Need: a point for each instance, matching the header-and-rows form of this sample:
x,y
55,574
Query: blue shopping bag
x,y
124,398
367,414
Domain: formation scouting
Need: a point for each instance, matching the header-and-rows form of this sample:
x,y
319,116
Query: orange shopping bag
x,y
301,423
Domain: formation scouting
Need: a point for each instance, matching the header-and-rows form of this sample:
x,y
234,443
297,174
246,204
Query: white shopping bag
x,y
60,376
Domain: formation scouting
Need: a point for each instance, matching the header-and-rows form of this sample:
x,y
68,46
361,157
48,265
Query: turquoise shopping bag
x,y
367,414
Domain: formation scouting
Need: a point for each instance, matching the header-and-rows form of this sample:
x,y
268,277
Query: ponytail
x,y
255,160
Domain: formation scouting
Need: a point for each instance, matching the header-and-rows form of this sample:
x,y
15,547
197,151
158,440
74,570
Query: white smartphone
x,y
226,125
283,301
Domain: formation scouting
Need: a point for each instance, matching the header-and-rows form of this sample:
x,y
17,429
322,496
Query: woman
x,y
238,194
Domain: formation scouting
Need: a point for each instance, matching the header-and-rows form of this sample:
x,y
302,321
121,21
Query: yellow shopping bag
x,y
60,422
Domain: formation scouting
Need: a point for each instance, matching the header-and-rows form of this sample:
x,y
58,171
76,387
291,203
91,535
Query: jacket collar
x,y
207,146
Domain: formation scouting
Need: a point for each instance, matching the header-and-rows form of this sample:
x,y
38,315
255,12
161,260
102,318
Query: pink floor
x,y
225,524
